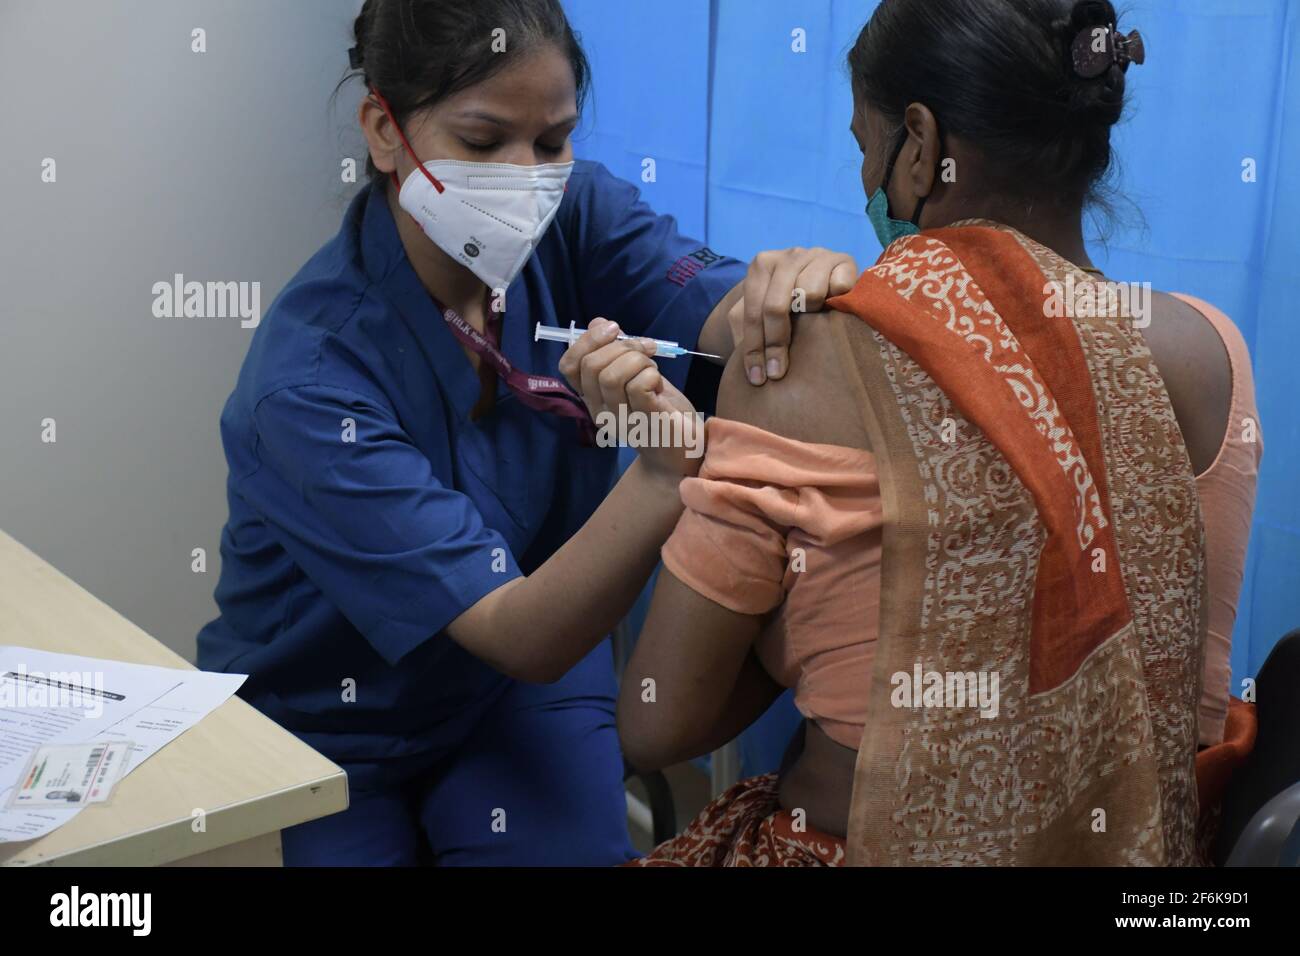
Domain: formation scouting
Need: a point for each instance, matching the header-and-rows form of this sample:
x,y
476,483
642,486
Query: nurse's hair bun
x,y
360,27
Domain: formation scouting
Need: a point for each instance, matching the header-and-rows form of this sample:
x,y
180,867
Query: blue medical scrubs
x,y
368,510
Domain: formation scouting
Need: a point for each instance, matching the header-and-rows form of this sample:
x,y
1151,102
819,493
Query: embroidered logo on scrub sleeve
x,y
688,267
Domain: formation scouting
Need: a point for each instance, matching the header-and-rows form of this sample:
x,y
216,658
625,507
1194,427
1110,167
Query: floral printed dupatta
x,y
1043,538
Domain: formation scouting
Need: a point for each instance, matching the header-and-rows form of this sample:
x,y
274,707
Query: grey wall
x,y
223,165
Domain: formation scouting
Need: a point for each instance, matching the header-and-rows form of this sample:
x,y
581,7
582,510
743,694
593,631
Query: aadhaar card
x,y
71,775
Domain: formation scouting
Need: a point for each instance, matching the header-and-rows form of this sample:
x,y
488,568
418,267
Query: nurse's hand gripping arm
x,y
537,627
755,316
640,271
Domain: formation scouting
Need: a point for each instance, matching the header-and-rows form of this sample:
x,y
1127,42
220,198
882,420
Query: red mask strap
x,y
383,104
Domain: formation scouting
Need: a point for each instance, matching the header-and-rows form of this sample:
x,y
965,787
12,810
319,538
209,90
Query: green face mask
x,y
888,229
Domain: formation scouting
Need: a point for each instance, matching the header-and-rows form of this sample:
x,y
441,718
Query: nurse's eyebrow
x,y
485,117
492,118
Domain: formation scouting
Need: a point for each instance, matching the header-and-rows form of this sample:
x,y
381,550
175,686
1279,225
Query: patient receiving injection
x,y
889,507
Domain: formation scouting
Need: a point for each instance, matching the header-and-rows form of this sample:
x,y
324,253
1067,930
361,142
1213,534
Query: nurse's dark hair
x,y
418,52
998,74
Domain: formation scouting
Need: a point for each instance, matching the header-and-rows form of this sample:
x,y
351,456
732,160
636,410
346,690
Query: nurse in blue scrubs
x,y
423,555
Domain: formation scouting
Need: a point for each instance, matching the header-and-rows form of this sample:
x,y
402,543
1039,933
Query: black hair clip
x,y
1116,50
354,58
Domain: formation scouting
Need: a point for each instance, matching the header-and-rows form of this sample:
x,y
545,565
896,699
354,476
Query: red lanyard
x,y
541,392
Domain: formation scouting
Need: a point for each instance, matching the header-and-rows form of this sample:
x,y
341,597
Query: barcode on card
x,y
92,764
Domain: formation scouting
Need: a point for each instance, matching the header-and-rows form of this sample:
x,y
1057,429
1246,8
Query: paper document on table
x,y
50,701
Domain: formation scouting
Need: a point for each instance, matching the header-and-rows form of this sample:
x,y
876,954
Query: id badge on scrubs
x,y
71,775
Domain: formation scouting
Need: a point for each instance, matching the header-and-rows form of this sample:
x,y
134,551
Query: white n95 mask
x,y
487,216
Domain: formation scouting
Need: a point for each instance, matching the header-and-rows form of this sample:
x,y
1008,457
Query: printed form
x,y
72,726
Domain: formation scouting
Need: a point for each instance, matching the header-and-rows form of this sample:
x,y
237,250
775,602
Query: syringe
x,y
663,348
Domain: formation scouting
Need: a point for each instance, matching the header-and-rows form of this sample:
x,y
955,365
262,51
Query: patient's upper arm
x,y
813,402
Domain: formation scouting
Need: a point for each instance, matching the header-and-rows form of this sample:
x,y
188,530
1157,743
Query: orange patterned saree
x,y
1042,527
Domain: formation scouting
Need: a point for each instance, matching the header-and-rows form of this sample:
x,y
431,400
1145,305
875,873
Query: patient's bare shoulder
x,y
1193,360
813,402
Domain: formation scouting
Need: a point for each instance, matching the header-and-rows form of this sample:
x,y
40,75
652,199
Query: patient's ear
x,y
922,153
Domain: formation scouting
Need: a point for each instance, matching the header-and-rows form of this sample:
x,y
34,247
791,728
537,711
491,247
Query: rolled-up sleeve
x,y
728,546
357,506
755,490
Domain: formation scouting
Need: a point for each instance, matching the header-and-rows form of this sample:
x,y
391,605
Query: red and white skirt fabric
x,y
746,826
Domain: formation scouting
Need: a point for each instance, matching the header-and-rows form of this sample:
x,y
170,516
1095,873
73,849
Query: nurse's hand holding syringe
x,y
663,347
614,373
523,628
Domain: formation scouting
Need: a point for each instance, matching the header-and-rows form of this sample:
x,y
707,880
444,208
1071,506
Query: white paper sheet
x,y
54,699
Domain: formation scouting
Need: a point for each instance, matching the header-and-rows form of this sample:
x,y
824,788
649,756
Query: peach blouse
x,y
1227,490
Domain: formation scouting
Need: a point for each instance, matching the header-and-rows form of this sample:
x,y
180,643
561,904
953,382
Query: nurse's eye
x,y
551,150
479,147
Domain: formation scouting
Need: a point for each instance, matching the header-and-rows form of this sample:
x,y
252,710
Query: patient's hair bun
x,y
1096,75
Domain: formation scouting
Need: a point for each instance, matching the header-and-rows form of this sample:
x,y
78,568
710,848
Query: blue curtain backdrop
x,y
751,150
